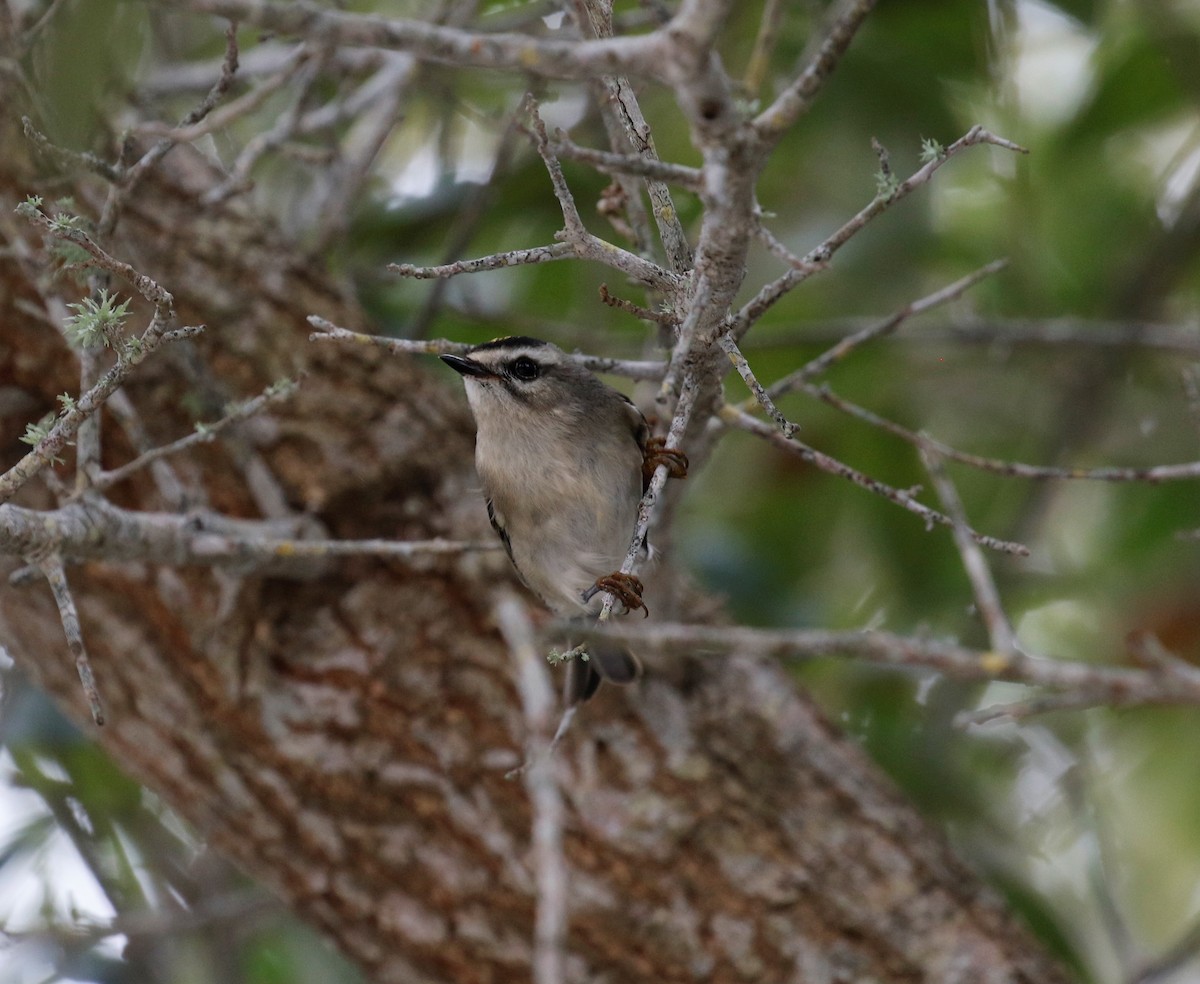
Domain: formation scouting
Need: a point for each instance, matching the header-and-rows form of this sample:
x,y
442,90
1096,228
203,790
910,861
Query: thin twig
x,y
797,98
541,784
1081,684
584,244
818,257
689,178
843,348
735,417
681,354
1183,471
730,348
285,546
987,598
203,434
235,109
496,261
308,72
131,177
777,248
1181,339
1020,710
674,439
665,318
327,331
764,44
51,567
573,224
220,548
68,160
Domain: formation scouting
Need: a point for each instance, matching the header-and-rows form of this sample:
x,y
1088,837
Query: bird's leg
x,y
626,588
657,453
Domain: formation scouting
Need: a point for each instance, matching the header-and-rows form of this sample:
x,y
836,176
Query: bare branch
x,y
327,331
679,425
987,598
735,417
241,550
627,126
496,261
689,178
642,55
68,160
92,528
235,109
130,178
203,434
665,318
1184,471
52,568
796,100
575,233
541,783
821,363
972,328
818,257
67,425
1082,684
777,248
308,71
759,61
730,348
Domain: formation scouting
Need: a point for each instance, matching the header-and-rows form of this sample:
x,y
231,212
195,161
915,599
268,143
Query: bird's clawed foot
x,y
626,588
657,453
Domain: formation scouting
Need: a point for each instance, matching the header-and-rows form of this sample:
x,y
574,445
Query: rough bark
x,y
345,739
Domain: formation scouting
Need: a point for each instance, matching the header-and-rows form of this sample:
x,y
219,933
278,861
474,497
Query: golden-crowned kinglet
x,y
564,459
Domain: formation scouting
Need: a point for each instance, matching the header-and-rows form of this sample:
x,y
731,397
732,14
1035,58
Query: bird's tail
x,y
606,661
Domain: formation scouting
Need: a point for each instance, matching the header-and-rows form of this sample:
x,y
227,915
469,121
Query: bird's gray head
x,y
517,374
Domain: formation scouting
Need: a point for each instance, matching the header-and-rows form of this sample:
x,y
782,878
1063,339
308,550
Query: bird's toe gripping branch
x,y
657,453
626,588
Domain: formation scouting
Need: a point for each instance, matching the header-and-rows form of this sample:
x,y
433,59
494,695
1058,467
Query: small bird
x,y
564,459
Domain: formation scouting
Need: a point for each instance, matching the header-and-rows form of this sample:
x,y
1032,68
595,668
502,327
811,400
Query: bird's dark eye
x,y
525,368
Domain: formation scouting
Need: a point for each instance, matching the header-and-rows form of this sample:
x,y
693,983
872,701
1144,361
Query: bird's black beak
x,y
466,367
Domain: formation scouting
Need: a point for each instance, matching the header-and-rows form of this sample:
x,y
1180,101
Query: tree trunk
x,y
345,739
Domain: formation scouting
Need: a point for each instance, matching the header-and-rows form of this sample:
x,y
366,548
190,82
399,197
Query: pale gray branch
x,y
1082,684
987,597
541,783
327,331
92,528
496,261
818,257
735,417
52,568
642,55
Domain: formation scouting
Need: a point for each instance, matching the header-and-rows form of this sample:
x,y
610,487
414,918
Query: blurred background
x,y
1077,354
